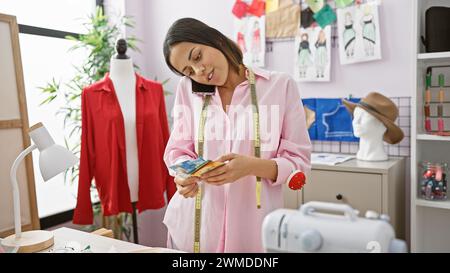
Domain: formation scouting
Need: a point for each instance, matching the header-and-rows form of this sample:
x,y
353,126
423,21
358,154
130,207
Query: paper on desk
x,y
329,158
156,250
113,249
69,247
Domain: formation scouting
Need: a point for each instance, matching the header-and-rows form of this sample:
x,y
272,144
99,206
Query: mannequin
x,y
123,136
123,77
370,131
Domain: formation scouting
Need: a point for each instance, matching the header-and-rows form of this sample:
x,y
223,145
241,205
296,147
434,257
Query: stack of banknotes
x,y
195,167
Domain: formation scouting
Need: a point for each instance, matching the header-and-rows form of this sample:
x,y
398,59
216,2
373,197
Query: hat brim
x,y
393,134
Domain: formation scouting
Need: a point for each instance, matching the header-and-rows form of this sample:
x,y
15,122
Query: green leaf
x,y
71,38
165,81
48,100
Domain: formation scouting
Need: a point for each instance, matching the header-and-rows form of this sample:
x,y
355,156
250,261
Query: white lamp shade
x,y
54,160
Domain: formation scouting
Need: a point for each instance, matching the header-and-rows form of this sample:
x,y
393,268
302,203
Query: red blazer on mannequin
x,y
103,154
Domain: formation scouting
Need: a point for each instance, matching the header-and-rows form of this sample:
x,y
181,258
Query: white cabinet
x,y
430,220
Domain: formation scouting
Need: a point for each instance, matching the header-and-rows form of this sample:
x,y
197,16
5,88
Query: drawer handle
x,y
339,196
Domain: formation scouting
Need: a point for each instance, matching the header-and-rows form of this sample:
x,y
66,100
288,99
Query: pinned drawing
x,y
256,42
321,58
250,37
359,27
313,54
369,31
240,39
349,36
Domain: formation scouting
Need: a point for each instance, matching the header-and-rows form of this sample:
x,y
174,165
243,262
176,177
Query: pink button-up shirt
x,y
230,221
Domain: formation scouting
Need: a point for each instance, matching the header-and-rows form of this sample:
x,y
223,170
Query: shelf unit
x,y
438,56
432,137
433,204
430,220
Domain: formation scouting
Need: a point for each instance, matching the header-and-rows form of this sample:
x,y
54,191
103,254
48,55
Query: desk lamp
x,y
53,159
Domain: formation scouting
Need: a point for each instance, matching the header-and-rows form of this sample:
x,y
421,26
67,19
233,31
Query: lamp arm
x,y
15,187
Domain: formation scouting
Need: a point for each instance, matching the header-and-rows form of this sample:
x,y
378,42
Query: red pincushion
x,y
296,180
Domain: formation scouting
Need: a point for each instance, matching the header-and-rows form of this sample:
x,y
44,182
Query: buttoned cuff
x,y
285,168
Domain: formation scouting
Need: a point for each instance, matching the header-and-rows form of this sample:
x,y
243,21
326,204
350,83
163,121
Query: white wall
x,y
390,75
155,18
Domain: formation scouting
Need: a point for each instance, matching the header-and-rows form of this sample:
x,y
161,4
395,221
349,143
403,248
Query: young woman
x,y
214,103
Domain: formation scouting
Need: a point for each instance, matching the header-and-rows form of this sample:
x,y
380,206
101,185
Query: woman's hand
x,y
188,187
237,167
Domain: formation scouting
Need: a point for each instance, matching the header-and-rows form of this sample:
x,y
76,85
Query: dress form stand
x,y
123,77
134,218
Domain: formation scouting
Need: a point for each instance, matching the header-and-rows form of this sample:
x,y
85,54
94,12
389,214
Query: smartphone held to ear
x,y
204,89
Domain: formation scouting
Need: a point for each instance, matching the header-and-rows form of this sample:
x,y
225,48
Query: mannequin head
x,y
121,49
366,125
374,122
121,65
370,131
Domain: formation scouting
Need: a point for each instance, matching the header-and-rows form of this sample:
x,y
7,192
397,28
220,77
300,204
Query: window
x,y
65,15
45,57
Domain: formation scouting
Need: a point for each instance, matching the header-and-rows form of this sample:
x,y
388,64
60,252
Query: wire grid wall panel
x,y
400,149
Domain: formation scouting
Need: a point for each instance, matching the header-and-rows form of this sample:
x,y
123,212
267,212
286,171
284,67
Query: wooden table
x,y
69,240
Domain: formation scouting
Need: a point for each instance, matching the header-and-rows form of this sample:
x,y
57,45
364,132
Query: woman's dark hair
x,y
195,31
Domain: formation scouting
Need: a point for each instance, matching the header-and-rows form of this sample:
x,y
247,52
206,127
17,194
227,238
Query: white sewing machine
x,y
307,230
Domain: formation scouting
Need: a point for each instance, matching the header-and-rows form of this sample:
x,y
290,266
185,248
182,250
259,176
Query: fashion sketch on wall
x,y
313,54
250,36
359,33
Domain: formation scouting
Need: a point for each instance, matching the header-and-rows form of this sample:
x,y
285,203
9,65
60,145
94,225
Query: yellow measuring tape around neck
x,y
198,197
200,145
